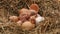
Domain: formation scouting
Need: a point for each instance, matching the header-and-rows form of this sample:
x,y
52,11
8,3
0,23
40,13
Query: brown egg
x,y
19,23
27,25
13,18
34,7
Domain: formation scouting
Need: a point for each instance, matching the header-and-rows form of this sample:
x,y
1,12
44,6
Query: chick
x,y
33,15
34,8
24,14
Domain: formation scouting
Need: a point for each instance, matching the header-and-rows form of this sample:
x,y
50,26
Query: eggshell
x,y
28,25
39,19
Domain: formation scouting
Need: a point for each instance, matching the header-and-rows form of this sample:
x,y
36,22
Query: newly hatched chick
x,y
35,8
33,16
27,25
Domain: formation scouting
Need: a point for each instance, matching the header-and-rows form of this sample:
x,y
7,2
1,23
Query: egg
x,y
34,7
13,18
27,25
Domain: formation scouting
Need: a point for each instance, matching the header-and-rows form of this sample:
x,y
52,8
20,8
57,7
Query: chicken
x,y
34,8
24,14
33,15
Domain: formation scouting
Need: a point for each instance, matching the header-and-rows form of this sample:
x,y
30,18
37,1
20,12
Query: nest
x,y
49,9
